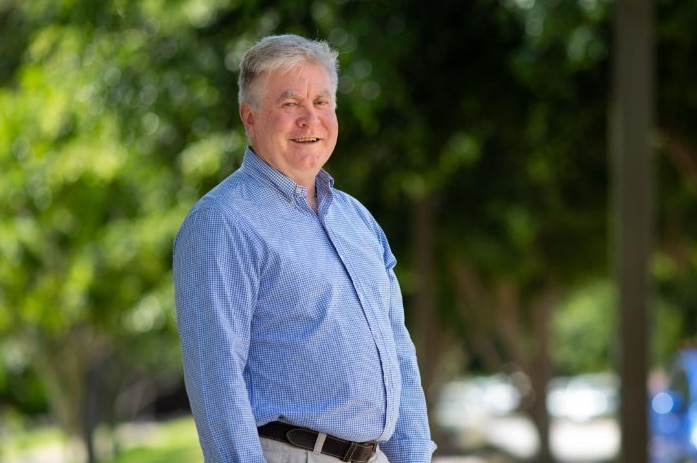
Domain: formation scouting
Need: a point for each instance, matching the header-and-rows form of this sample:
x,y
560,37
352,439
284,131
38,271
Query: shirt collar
x,y
257,167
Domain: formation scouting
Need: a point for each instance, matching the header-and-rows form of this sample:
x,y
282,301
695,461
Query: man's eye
x,y
289,104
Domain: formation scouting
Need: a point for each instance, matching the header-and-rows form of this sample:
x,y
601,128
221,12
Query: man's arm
x,y
215,289
411,441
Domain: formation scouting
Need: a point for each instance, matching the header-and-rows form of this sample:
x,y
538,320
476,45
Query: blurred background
x,y
477,132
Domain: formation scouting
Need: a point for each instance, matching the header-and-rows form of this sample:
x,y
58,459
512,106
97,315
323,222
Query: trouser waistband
x,y
344,450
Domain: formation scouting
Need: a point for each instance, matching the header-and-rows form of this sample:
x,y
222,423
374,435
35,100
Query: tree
x,y
475,131
89,212
471,143
130,90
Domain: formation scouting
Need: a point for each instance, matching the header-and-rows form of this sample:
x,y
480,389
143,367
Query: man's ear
x,y
247,117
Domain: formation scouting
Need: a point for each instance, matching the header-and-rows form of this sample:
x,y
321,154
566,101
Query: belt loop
x,y
319,443
349,453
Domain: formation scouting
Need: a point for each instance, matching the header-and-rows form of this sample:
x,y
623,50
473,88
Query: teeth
x,y
306,140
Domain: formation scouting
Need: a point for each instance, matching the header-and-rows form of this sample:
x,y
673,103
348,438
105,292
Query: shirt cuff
x,y
408,451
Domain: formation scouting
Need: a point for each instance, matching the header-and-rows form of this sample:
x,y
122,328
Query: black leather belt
x,y
358,452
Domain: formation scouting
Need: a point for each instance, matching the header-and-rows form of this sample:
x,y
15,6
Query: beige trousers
x,y
280,452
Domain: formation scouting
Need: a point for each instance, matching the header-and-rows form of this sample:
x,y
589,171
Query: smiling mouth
x,y
306,140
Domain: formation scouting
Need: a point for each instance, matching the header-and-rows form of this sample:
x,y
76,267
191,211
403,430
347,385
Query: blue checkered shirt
x,y
287,314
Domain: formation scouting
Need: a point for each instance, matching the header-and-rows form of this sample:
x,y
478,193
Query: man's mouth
x,y
306,140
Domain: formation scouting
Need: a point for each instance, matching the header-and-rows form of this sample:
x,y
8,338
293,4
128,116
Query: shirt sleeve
x,y
411,441
215,290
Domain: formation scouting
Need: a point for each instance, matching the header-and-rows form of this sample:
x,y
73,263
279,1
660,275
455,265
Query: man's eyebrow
x,y
288,94
291,95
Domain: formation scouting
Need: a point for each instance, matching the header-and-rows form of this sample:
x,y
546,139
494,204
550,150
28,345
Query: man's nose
x,y
308,115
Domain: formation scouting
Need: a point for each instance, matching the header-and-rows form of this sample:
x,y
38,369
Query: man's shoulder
x,y
233,193
347,200
228,199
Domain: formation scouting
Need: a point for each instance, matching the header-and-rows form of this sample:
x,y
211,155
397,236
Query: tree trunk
x,y
502,324
430,342
423,247
65,364
90,412
632,122
476,307
61,367
541,371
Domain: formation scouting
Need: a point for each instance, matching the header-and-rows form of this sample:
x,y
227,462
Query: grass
x,y
173,441
22,442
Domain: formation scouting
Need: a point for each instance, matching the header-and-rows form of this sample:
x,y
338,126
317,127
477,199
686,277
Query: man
x,y
290,315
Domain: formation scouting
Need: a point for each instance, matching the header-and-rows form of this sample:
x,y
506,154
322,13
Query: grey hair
x,y
283,52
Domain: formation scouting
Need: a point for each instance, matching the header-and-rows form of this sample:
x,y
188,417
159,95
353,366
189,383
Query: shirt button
x,y
298,190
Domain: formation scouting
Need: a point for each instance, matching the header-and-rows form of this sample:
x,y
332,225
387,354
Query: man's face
x,y
294,126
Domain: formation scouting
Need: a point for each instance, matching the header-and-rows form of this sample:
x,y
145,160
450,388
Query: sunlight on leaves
x,y
205,157
146,315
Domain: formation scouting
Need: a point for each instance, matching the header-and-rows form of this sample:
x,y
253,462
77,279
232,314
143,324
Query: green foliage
x,y
88,219
582,328
116,116
675,263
